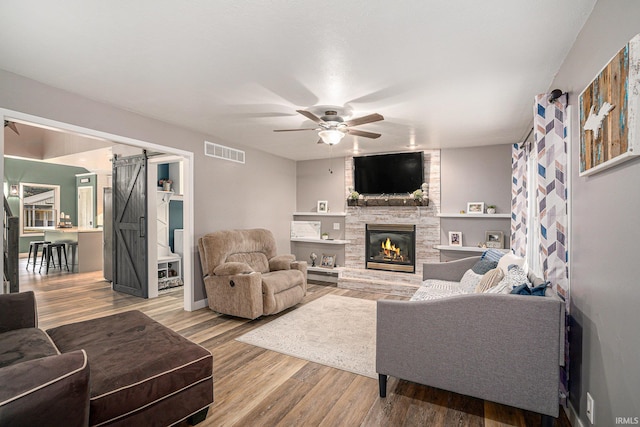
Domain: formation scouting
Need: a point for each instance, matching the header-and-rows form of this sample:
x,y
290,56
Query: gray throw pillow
x,y
484,265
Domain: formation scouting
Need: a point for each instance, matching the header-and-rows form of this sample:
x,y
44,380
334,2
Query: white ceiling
x,y
443,73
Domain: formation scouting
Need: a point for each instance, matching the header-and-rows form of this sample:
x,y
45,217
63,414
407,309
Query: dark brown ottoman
x,y
142,373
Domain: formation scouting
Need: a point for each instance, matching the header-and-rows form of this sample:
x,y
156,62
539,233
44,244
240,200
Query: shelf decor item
x,y
323,206
475,207
610,112
455,238
491,209
494,239
305,229
328,261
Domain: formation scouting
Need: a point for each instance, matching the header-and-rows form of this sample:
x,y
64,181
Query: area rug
x,y
333,330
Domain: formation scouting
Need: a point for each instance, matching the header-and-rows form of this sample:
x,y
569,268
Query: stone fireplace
x,y
390,247
423,219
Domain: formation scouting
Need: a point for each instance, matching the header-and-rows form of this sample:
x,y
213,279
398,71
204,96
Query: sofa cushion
x,y
21,345
232,268
525,289
136,362
281,262
508,260
489,280
470,280
435,289
492,255
256,260
484,265
514,277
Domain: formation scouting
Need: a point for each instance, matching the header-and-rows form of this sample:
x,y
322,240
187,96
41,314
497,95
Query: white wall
x,y
261,193
604,267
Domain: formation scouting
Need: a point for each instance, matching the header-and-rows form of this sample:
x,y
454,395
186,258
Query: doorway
x,y
186,157
85,207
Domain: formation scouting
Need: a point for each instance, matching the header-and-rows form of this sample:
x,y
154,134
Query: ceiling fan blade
x,y
366,119
293,130
363,133
11,126
311,116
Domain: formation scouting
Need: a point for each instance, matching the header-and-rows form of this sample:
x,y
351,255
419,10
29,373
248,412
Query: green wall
x,y
17,171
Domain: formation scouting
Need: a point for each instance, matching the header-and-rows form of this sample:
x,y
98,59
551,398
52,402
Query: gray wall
x,y
321,180
261,193
604,271
316,182
478,174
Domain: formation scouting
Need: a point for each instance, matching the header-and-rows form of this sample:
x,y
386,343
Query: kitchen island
x,y
88,256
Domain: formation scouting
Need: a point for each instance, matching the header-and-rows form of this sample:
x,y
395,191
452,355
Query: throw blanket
x,y
436,289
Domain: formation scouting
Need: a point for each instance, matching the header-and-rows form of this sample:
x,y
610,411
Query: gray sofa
x,y
498,347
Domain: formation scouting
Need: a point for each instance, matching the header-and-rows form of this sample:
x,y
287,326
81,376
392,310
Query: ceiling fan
x,y
332,128
11,126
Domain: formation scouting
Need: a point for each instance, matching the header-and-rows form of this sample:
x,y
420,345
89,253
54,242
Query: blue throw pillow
x,y
524,289
492,255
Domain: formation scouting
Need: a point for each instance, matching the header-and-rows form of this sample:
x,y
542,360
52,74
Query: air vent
x,y
212,149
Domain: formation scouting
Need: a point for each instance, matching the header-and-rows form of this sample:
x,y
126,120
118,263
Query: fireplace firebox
x,y
390,247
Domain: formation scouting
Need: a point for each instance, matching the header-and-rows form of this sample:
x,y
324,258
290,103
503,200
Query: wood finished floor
x,y
258,387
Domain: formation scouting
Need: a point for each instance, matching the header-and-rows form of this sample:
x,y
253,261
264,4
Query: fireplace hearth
x,y
390,247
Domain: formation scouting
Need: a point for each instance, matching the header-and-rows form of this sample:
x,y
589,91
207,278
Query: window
x,y
39,208
533,219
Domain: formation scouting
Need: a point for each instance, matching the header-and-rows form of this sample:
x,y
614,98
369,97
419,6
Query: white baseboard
x,y
573,416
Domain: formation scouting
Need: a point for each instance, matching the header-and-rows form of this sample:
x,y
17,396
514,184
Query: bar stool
x,y
47,252
72,247
35,246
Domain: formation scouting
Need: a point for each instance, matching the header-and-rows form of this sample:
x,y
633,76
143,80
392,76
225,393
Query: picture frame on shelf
x,y
494,239
475,208
328,260
455,238
323,206
305,229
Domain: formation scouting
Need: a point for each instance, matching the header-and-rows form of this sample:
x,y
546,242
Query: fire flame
x,y
388,248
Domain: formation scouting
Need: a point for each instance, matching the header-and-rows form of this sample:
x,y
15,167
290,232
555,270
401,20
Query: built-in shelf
x,y
474,216
319,214
323,241
326,270
464,248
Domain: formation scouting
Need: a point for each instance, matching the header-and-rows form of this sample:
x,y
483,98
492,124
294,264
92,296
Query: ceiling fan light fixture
x,y
331,136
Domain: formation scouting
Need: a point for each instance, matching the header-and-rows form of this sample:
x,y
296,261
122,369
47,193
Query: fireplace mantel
x,y
387,201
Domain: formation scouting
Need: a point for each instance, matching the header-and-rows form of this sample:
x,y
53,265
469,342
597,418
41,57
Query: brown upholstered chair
x,y
244,277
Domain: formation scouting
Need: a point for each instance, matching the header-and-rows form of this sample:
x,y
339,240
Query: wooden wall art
x,y
610,112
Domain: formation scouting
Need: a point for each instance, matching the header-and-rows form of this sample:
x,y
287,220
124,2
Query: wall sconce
x,y
14,190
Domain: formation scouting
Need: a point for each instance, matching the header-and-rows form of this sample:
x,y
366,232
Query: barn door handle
x,y
141,224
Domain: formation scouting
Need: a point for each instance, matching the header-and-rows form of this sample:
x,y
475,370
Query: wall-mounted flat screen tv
x,y
388,173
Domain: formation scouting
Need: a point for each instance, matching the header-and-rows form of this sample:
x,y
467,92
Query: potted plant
x,y
491,209
352,200
325,236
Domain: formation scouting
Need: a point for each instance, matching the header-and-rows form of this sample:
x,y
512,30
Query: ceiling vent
x,y
212,149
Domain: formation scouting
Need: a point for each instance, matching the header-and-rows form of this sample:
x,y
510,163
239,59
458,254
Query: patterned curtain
x,y
550,140
550,134
519,204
